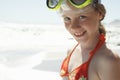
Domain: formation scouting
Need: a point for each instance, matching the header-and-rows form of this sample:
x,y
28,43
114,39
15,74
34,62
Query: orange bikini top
x,y
81,72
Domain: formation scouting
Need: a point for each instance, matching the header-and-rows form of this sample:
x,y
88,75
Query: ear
x,y
101,17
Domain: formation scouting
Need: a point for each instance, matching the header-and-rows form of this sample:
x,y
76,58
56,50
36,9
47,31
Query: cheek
x,y
93,21
92,24
66,26
91,27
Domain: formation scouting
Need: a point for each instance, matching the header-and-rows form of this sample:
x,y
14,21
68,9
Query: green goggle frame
x,y
55,4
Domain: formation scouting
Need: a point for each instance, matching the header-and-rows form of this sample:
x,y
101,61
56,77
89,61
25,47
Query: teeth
x,y
79,33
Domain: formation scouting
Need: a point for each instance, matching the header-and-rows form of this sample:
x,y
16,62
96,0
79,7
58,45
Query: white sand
x,y
26,74
34,67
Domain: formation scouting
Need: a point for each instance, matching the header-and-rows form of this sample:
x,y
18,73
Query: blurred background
x,y
33,39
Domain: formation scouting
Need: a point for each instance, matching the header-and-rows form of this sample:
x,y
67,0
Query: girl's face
x,y
83,24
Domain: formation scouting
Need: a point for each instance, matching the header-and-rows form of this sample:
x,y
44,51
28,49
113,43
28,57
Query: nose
x,y
75,24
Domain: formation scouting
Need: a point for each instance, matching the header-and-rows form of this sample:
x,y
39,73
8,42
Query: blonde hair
x,y
101,9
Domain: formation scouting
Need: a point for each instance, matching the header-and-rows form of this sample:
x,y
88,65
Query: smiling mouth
x,y
79,34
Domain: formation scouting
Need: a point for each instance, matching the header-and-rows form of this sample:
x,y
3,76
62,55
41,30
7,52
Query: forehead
x,y
85,10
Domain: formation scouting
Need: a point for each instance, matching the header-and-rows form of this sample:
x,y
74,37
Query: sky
x,y
36,12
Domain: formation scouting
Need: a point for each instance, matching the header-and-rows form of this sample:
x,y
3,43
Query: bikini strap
x,y
100,43
64,67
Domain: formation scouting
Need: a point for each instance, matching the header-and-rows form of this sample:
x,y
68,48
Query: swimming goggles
x,y
55,4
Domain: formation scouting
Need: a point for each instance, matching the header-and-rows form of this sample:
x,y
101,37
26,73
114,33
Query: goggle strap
x,y
96,1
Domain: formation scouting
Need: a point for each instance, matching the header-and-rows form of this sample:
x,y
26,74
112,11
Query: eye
x,y
82,17
67,19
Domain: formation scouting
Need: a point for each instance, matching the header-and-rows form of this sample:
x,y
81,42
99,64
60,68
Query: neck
x,y
88,46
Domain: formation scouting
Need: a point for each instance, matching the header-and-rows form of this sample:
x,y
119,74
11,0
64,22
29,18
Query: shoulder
x,y
108,57
72,48
108,65
69,51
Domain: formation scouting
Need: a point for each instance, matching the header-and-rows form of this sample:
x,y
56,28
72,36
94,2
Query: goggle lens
x,y
78,2
52,3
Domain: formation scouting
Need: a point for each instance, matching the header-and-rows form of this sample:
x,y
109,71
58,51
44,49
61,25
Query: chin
x,y
81,39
